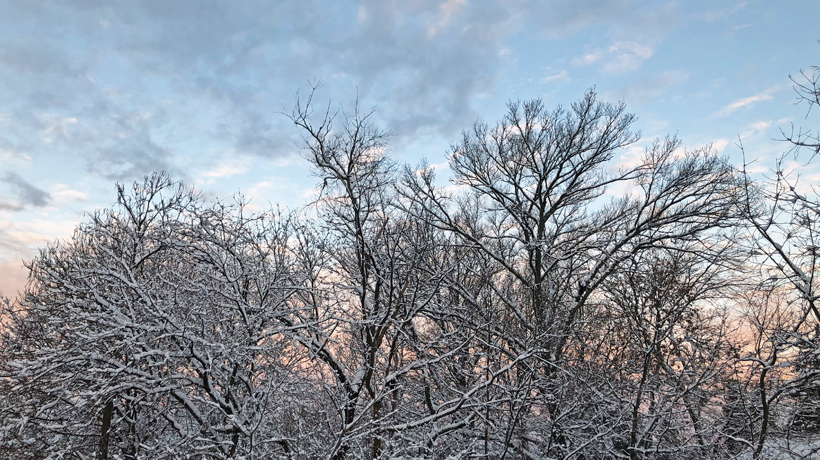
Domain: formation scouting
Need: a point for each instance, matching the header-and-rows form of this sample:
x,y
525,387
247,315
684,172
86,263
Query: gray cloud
x,y
10,151
27,194
6,206
126,86
222,71
129,87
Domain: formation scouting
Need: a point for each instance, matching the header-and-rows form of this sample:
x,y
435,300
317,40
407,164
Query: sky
x,y
98,92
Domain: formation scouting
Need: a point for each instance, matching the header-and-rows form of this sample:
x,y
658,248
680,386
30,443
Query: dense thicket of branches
x,y
530,311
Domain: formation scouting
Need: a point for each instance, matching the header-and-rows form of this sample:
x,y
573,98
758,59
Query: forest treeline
x,y
548,304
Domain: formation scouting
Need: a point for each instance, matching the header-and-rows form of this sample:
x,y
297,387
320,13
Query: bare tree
x,y
668,355
367,323
536,207
784,217
807,88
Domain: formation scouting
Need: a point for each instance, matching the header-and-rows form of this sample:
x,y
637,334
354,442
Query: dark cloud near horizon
x,y
26,193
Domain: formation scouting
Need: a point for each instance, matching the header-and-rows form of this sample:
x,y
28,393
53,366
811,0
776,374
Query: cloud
x,y
620,57
740,103
559,18
220,73
651,88
747,101
10,243
63,193
5,206
119,89
447,10
560,76
717,15
12,277
730,32
13,250
27,194
225,170
589,58
12,153
719,145
761,125
214,76
18,242
132,152
755,128
423,82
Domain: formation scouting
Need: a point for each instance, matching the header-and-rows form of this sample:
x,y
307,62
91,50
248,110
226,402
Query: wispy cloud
x,y
761,125
64,193
562,76
589,58
649,89
18,241
735,29
225,170
747,101
230,165
446,12
756,128
12,153
620,57
559,18
8,206
719,145
717,15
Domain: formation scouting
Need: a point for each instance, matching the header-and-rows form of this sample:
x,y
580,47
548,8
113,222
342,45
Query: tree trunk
x,y
105,433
